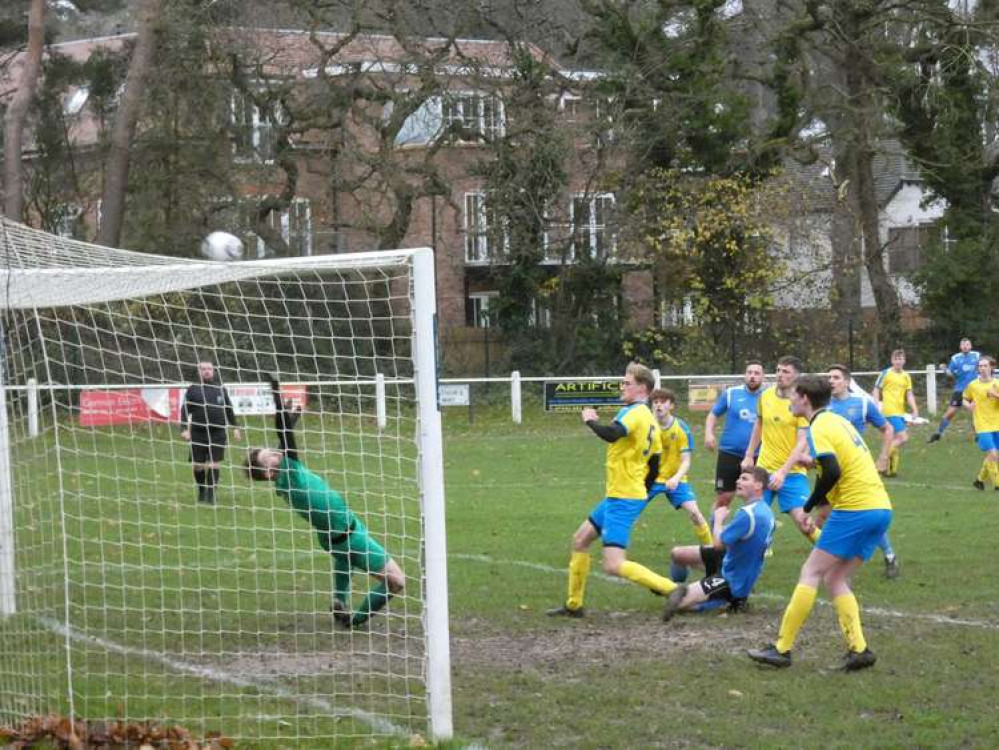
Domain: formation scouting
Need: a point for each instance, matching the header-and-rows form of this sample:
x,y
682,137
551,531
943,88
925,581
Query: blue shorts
x,y
682,494
987,441
853,533
898,424
614,519
792,494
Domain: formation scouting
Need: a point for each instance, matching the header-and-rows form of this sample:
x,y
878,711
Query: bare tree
x,y
123,131
17,113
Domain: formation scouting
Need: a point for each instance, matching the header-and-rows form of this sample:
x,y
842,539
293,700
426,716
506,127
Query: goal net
x,y
124,598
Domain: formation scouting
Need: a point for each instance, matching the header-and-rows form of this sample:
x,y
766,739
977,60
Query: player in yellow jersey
x,y
782,435
982,398
632,464
678,444
892,391
861,514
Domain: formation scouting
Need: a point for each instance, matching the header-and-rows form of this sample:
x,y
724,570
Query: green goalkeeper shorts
x,y
361,551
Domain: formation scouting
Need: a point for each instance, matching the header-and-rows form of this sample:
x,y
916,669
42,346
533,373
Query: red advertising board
x,y
99,408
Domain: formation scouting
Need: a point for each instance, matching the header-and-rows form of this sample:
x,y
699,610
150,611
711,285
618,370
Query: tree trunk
x,y
17,114
116,169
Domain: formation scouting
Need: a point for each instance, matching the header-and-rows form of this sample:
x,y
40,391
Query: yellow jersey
x,y
986,412
893,386
628,457
859,486
676,440
779,432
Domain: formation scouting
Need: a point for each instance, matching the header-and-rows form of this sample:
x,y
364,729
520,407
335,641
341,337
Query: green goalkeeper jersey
x,y
308,494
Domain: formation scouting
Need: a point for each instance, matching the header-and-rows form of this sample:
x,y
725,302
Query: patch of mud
x,y
605,638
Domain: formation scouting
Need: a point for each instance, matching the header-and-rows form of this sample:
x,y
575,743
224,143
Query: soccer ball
x,y
222,246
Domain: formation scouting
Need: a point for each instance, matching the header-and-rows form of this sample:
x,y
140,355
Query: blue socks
x,y
678,573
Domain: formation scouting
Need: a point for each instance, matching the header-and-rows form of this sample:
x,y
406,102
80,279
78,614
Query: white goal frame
x,y
23,289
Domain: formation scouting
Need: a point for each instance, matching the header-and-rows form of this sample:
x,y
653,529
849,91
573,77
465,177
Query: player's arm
x,y
913,406
609,432
284,422
828,476
720,514
754,442
709,430
681,472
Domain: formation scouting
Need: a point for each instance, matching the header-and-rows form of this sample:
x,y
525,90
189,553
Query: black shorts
x,y
716,587
727,470
208,447
957,399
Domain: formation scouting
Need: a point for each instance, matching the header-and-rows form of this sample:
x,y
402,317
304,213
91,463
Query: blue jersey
x,y
964,368
741,405
746,539
859,411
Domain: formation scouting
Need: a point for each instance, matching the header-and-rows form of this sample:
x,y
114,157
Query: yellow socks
x,y
579,569
815,534
849,621
644,577
802,601
894,459
993,472
985,473
703,533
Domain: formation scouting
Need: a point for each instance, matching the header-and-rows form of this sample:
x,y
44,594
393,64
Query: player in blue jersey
x,y
735,560
739,406
860,411
963,369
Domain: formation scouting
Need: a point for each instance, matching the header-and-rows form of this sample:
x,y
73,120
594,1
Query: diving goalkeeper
x,y
340,532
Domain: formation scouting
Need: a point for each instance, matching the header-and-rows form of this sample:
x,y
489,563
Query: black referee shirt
x,y
208,407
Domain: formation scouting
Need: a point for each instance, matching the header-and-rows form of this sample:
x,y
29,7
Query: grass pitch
x,y
245,578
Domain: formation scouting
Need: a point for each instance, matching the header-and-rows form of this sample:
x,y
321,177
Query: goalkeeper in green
x,y
340,532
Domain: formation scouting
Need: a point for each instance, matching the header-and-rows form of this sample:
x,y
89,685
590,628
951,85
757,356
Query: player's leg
x,y
727,470
682,559
952,408
200,463
992,461
986,444
791,499
579,563
216,453
901,438
797,611
688,501
387,577
892,569
853,539
619,520
340,555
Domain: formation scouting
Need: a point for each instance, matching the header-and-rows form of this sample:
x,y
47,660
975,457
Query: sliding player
x,y
982,398
734,562
892,391
861,514
340,532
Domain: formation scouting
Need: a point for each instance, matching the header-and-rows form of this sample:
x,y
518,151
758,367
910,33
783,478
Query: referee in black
x,y
205,416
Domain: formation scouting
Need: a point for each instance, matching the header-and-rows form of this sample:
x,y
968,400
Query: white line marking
x,y
377,723
877,611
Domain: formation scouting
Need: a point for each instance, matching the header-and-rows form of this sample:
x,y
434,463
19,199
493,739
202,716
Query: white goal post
x,y
129,592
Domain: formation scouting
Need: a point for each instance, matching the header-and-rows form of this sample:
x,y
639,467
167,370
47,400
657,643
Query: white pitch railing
x,y
514,379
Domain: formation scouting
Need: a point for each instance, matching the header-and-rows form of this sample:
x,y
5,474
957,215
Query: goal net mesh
x,y
124,598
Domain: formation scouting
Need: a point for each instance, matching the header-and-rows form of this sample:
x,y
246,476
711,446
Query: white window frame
x,y
475,119
301,210
479,303
593,230
260,147
479,235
